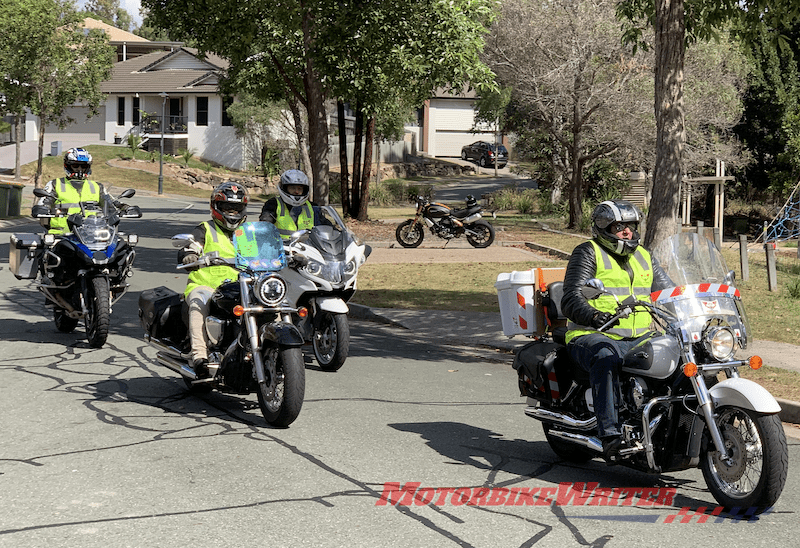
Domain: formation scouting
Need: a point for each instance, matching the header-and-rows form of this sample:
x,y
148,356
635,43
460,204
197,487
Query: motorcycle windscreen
x,y
700,306
259,247
96,234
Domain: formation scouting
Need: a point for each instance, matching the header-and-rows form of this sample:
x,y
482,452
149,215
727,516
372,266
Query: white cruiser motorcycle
x,y
321,278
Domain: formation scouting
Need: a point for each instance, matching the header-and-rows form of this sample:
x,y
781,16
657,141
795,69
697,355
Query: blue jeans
x,y
601,357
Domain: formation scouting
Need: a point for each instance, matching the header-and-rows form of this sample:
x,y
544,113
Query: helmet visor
x,y
231,207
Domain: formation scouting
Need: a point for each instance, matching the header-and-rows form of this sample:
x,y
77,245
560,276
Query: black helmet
x,y
229,205
294,177
605,215
77,163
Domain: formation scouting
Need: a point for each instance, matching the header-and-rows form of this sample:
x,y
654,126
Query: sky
x,y
131,6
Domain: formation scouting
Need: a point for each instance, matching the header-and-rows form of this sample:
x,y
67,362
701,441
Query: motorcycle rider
x,y
291,210
70,191
228,212
615,257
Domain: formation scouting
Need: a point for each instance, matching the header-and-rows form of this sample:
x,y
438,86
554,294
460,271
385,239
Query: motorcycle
x,y
675,412
446,223
82,273
252,344
321,278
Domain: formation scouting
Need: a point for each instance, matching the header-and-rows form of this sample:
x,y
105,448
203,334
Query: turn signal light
x,y
238,310
302,312
756,362
690,369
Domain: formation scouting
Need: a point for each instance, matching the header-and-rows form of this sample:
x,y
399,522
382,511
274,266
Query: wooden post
x,y
772,276
743,263
700,229
717,238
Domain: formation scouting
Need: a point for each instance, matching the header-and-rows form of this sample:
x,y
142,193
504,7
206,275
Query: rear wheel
x,y
64,323
99,312
484,234
567,451
483,161
281,397
755,475
331,341
409,233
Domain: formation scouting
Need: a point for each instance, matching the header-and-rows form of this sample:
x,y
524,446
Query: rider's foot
x,y
201,371
611,449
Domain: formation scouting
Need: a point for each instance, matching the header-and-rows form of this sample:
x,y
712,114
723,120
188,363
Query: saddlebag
x,y
160,312
24,254
536,365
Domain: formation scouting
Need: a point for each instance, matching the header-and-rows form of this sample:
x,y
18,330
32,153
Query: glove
x,y
189,258
600,319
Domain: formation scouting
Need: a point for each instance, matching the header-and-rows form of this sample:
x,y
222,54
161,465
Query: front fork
x,y
252,329
706,404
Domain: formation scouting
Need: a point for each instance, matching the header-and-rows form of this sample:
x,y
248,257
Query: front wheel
x,y
99,312
409,233
756,473
484,234
331,341
281,397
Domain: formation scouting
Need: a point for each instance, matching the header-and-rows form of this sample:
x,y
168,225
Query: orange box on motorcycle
x,y
520,296
23,255
160,310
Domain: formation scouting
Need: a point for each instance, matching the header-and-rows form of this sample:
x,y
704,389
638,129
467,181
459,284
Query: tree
x,y
110,11
50,63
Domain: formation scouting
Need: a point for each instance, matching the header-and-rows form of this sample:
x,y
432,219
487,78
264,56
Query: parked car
x,y
484,153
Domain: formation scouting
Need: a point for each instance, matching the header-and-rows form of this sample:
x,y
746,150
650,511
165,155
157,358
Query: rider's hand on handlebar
x,y
600,319
189,258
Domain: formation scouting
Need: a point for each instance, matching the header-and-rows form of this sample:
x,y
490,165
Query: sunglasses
x,y
619,227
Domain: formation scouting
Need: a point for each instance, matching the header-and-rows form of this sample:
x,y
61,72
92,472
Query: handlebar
x,y
209,259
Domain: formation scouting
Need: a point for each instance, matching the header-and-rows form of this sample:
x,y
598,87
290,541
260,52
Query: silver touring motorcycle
x,y
683,403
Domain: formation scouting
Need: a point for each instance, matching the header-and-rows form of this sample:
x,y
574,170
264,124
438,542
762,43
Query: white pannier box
x,y
23,255
515,294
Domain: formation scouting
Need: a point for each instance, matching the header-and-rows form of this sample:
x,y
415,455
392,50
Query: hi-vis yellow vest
x,y
70,200
619,283
286,225
213,276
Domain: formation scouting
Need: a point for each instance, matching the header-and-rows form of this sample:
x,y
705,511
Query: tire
x,y
332,341
463,154
757,476
409,234
64,323
281,398
485,234
567,451
99,312
482,161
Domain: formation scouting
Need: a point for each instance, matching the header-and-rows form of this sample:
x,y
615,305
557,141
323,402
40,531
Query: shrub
x,y
186,154
133,144
793,289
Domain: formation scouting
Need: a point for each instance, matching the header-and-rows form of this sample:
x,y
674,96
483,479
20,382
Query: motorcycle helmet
x,y
229,205
604,218
294,177
77,163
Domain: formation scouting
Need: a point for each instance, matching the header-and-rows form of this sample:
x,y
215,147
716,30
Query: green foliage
x,y
525,201
793,288
271,163
133,143
186,154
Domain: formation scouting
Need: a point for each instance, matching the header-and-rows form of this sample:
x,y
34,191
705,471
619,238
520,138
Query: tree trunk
x,y
317,117
18,145
37,179
369,138
662,219
344,177
300,134
355,203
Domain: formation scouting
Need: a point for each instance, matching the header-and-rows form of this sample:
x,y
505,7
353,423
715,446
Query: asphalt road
x,y
105,448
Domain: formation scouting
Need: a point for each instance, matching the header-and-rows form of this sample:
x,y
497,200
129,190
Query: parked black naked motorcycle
x,y
81,273
676,413
446,223
252,344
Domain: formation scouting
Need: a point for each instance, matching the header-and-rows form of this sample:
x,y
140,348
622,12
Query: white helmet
x,y
294,177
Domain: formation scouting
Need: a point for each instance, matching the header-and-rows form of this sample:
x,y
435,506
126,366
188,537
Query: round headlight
x,y
314,268
719,342
270,290
350,268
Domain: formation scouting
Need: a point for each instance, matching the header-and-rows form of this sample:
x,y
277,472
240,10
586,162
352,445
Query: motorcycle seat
x,y
466,212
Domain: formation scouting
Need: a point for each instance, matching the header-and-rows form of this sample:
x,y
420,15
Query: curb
x,y
790,411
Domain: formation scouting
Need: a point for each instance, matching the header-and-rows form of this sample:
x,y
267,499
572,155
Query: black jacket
x,y
581,268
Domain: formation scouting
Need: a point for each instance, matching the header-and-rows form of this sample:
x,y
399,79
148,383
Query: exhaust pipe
x,y
544,415
176,365
590,442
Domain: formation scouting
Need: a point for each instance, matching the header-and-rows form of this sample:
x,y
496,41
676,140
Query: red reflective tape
x,y
678,291
522,323
520,299
654,295
723,289
702,288
736,293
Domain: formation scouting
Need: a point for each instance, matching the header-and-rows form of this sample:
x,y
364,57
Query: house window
x,y
202,111
226,119
120,111
136,111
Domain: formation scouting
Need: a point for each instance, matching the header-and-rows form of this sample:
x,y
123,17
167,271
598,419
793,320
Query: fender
x,y
281,333
332,304
744,393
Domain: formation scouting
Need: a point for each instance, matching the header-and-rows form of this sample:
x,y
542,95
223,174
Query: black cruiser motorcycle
x,y
253,345
684,403
446,223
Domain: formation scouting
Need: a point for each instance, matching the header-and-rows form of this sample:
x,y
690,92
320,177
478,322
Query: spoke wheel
x,y
484,234
281,397
755,474
331,341
409,234
99,312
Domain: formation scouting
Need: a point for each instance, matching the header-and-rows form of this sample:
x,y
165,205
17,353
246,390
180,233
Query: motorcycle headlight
x,y
270,290
350,268
719,342
314,268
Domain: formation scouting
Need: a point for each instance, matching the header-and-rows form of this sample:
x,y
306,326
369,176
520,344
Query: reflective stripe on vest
x,y
68,198
213,276
286,225
619,284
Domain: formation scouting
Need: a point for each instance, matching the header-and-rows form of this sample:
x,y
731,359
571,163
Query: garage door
x,y
449,143
92,129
